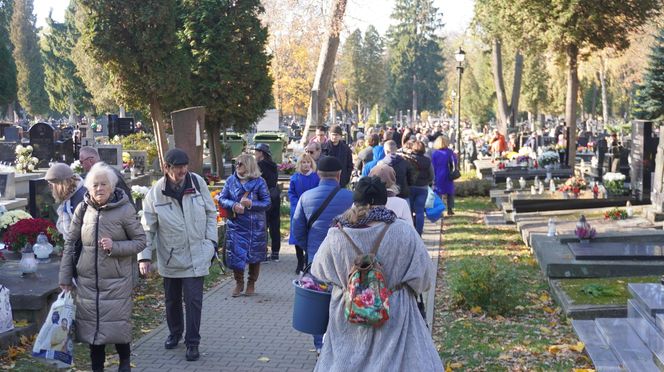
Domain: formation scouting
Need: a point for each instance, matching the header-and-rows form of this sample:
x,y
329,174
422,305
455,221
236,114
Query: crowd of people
x,y
381,179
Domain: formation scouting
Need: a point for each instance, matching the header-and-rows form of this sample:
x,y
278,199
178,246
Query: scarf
x,y
376,214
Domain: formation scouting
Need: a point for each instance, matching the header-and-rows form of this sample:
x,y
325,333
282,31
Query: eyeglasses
x,y
310,152
86,159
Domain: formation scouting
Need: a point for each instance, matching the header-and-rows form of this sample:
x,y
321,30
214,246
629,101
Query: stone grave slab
x,y
583,311
649,295
616,251
7,186
529,174
111,155
13,204
530,203
42,139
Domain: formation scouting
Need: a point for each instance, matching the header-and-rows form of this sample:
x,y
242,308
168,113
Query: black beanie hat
x,y
370,191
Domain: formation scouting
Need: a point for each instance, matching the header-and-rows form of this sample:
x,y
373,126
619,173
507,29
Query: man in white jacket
x,y
180,220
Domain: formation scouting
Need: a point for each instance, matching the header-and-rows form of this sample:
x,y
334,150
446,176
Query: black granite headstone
x,y
40,200
643,151
42,140
65,151
7,152
13,134
616,251
4,182
120,126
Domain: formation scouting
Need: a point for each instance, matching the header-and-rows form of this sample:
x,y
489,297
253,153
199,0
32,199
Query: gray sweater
x,y
403,343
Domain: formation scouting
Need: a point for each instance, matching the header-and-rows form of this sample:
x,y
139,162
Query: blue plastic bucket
x,y
311,310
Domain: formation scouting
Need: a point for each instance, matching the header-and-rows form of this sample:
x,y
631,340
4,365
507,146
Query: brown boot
x,y
239,283
254,270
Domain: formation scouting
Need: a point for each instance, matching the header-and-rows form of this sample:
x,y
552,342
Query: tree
x,y
351,72
227,44
8,72
649,98
29,69
65,88
136,42
535,87
373,54
415,61
574,26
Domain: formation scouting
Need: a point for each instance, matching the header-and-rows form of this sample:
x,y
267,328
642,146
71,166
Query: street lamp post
x,y
460,56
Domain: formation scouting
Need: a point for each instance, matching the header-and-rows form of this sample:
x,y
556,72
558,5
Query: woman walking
x,y
444,161
304,179
245,194
403,342
111,236
67,190
419,190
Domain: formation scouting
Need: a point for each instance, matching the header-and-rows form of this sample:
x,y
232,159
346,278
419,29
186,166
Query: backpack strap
x,y
376,245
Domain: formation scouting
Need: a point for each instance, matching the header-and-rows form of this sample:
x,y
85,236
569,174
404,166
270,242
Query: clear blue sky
x,y
359,13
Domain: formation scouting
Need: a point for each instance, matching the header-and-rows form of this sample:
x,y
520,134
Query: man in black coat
x,y
404,170
270,174
337,148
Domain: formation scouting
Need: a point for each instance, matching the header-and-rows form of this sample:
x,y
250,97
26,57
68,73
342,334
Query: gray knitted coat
x,y
403,343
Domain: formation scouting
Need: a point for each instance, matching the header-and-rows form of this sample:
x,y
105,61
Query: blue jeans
x,y
418,197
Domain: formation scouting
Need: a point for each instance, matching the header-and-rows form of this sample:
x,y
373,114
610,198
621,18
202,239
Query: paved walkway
x,y
249,333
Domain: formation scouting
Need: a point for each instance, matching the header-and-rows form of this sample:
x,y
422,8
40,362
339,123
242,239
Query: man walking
x,y
404,169
180,218
89,156
316,209
337,148
270,174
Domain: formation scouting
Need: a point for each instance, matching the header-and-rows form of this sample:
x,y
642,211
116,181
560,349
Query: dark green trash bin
x,y
277,142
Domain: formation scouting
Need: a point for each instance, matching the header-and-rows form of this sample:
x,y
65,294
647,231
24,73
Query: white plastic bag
x,y
6,318
55,339
431,196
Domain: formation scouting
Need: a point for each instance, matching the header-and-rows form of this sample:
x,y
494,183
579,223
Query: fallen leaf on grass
x,y
545,330
476,310
452,366
544,297
20,323
548,310
140,298
583,370
578,347
264,359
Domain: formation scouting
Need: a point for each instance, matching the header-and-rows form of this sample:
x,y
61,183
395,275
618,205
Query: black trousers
x,y
98,355
193,301
273,217
301,258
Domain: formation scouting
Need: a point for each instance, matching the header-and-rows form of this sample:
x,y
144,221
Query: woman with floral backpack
x,y
382,329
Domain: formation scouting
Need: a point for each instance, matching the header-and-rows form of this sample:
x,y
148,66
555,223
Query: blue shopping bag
x,y
434,213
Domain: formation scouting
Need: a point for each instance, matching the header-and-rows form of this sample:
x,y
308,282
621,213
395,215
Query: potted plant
x,y
26,231
573,186
614,183
548,159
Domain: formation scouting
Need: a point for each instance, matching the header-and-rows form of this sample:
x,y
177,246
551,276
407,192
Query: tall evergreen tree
x,y
136,42
350,69
373,54
415,58
649,98
227,44
8,71
29,68
65,88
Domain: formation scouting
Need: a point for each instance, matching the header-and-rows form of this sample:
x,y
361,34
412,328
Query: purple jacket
x,y
440,160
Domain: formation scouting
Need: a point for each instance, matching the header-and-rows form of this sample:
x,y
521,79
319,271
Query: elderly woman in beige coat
x,y
111,236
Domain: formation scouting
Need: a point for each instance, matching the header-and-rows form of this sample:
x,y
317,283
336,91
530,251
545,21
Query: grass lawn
x,y
602,291
534,336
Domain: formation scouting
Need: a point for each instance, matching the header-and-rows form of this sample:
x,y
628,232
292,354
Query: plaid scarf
x,y
376,214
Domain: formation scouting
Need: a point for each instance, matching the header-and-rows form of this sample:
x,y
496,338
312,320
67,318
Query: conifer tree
x,y
649,98
8,70
29,69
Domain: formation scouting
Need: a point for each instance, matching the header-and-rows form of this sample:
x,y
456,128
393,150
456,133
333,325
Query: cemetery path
x,y
250,333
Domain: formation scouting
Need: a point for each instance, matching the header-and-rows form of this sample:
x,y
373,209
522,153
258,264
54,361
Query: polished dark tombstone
x,y
617,251
7,187
13,134
42,139
40,200
120,126
643,151
3,127
7,152
64,151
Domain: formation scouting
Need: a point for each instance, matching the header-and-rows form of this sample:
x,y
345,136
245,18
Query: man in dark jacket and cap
x,y
337,148
270,174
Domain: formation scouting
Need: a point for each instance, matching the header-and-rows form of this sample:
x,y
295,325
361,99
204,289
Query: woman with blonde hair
x,y
68,190
246,195
444,161
305,178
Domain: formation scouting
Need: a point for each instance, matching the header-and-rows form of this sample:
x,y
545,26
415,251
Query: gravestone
x,y
188,127
64,151
140,159
602,148
7,188
7,152
13,134
642,158
617,251
111,155
40,200
120,126
657,196
42,140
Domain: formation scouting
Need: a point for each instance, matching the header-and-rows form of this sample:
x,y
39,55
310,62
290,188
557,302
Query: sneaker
x,y
274,258
318,352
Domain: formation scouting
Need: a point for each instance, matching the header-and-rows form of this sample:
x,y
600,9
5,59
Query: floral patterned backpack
x,y
366,296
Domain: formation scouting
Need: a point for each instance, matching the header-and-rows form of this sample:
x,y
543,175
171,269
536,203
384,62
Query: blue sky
x,y
359,13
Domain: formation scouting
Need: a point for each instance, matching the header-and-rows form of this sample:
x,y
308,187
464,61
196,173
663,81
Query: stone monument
x,y
42,139
656,212
188,125
642,158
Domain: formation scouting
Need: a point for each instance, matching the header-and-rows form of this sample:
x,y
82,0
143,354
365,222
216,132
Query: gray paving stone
x,y
236,332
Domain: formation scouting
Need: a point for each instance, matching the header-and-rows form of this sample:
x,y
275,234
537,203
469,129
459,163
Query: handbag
x,y
229,213
431,196
454,171
434,213
55,339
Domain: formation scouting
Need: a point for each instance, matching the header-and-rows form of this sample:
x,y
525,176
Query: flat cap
x,y
59,172
176,156
329,164
264,148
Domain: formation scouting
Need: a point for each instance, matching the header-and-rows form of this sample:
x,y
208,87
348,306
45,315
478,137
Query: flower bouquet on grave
x,y
548,158
585,232
25,162
26,231
614,183
76,167
615,214
286,168
574,185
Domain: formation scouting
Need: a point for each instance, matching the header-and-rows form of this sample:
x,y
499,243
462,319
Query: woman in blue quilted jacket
x,y
305,178
245,194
